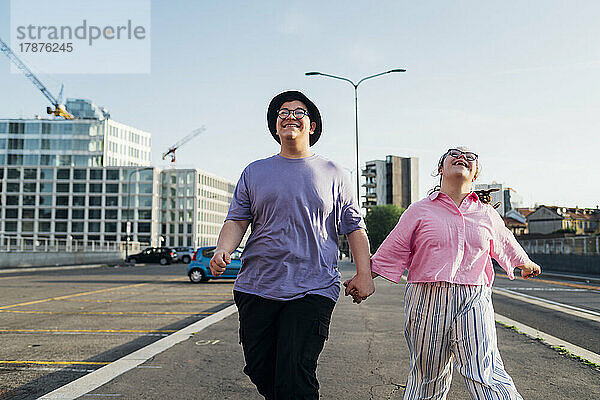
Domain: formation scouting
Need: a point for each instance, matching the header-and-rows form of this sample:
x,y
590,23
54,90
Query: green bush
x,y
380,221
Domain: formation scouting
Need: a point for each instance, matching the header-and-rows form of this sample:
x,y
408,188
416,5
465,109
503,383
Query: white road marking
x,y
545,289
549,339
99,377
552,305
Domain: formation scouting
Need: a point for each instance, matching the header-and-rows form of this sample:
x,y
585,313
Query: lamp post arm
x,y
338,77
372,76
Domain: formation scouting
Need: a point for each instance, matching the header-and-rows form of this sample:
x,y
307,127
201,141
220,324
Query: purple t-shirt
x,y
297,208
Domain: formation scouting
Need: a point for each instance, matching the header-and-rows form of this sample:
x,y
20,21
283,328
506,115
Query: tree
x,y
380,221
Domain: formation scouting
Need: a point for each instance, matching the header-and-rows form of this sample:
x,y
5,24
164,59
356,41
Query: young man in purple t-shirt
x,y
297,203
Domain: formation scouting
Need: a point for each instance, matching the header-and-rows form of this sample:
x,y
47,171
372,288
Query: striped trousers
x,y
449,324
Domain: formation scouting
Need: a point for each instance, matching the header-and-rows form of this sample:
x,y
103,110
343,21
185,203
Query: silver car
x,y
184,254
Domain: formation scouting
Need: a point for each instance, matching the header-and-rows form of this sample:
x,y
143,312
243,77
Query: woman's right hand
x,y
530,270
219,262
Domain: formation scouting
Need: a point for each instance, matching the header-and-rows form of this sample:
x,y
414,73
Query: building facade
x,y
551,219
393,181
78,142
193,207
90,203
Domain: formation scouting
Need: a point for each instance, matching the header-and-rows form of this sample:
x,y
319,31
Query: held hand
x,y
359,287
219,262
530,270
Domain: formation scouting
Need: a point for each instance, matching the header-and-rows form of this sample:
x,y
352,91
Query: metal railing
x,y
24,243
588,245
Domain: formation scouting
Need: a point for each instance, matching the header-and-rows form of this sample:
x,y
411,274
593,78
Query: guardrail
x,y
585,245
21,243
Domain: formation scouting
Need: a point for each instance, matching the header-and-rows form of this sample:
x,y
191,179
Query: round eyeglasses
x,y
298,113
469,155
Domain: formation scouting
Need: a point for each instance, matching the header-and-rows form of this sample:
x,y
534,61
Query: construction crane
x,y
171,151
58,109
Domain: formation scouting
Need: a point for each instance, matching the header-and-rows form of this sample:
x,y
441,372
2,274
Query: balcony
x,y
369,173
369,185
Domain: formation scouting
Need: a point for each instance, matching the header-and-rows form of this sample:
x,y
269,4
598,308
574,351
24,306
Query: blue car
x,y
199,270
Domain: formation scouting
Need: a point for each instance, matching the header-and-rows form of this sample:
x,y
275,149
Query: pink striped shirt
x,y
437,241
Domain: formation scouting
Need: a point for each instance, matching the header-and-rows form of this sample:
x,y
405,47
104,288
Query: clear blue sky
x,y
516,81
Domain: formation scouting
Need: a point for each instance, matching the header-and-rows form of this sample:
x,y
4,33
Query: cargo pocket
x,y
316,339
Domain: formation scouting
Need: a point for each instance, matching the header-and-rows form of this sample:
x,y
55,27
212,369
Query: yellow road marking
x,y
568,284
107,312
81,294
53,362
90,330
151,302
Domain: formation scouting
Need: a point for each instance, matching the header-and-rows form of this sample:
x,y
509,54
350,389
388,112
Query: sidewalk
x,y
365,358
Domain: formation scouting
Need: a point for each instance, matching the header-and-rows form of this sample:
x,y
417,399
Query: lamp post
x,y
128,226
355,85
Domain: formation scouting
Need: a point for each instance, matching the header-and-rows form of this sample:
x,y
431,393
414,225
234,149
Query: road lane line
x,y
153,302
107,312
103,375
88,330
54,362
568,284
549,339
69,296
552,305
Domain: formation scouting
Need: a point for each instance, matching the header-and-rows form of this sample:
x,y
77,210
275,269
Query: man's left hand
x,y
359,287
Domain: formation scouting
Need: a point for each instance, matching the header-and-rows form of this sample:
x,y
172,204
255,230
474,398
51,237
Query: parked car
x,y
199,271
161,255
184,254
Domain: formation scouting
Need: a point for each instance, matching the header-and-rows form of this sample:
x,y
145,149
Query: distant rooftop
x,y
85,109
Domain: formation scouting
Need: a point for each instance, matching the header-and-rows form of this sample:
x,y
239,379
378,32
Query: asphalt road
x,y
582,332
59,325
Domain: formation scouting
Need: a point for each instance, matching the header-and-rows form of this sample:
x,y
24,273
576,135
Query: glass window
x,y
13,173
62,200
12,200
61,214
110,214
28,213
95,201
112,188
145,214
45,187
28,200
112,175
78,200
76,226
145,188
180,228
14,159
110,227
30,173
112,201
60,226
78,213
96,174
12,187
28,187
12,213
143,227
47,173
78,187
95,188
44,226
145,201
45,200
10,226
79,174
94,213
93,226
146,175
45,213
62,187
63,174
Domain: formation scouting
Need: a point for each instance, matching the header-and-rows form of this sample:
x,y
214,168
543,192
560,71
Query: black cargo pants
x,y
282,341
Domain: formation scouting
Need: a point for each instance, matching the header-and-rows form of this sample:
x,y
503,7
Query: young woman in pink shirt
x,y
446,242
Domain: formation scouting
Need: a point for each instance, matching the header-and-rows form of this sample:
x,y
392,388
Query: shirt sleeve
x,y
395,253
350,217
504,247
240,208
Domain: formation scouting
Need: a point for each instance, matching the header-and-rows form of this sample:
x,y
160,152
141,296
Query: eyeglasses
x,y
298,113
469,156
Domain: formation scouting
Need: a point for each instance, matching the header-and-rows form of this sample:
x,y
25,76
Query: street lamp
x,y
129,208
355,111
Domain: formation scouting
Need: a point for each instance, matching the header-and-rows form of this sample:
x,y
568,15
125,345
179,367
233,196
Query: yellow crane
x,y
58,109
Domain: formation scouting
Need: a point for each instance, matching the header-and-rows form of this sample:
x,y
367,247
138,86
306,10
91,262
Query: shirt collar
x,y
473,196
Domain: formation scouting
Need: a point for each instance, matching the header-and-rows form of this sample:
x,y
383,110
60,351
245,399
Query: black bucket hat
x,y
313,113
